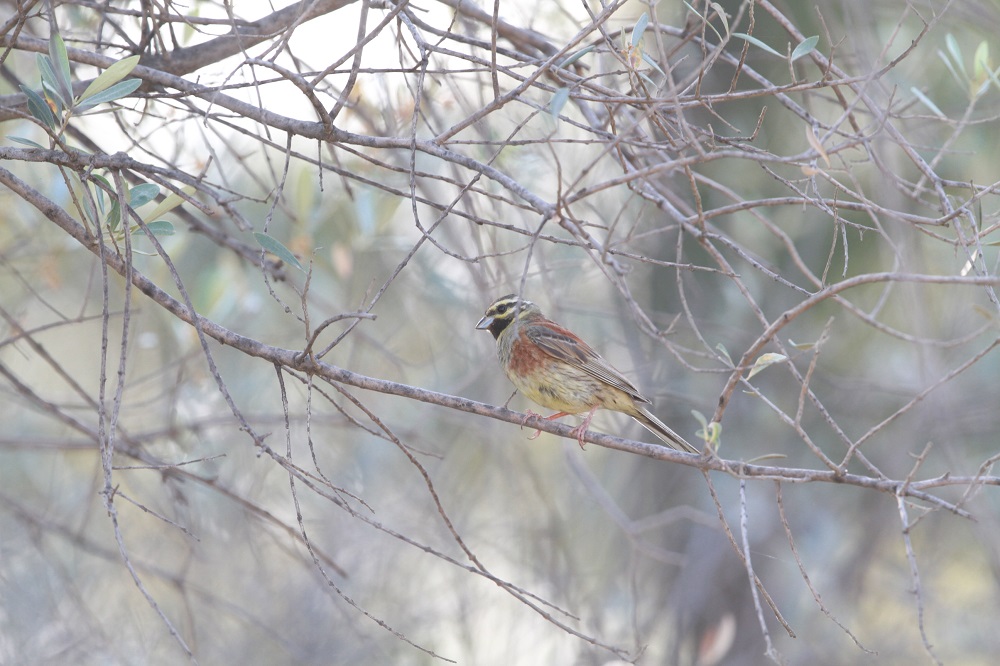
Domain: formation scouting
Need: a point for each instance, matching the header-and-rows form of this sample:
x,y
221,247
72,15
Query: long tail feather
x,y
661,430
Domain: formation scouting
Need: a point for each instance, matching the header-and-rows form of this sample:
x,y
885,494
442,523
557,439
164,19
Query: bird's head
x,y
505,311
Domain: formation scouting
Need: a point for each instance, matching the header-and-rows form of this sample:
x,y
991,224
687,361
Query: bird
x,y
554,368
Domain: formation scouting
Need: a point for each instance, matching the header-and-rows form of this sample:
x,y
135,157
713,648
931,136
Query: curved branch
x,y
299,361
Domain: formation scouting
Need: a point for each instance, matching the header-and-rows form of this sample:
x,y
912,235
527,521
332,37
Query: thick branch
x,y
298,361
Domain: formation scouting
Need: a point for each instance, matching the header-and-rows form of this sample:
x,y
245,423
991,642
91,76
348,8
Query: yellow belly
x,y
556,385
571,390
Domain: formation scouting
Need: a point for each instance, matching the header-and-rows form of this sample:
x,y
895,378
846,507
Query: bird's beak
x,y
484,323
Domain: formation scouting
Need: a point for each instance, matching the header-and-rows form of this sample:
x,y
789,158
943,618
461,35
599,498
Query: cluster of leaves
x,y
975,84
137,196
56,104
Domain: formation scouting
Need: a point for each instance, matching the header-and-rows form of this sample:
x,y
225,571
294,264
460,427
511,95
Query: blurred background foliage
x,y
688,209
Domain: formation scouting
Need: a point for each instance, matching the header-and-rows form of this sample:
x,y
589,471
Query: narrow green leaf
x,y
99,195
758,43
110,76
50,81
951,68
725,352
158,228
645,77
639,28
275,247
928,103
956,54
116,91
707,21
53,95
114,215
715,435
559,100
104,181
45,69
709,432
101,192
805,47
88,203
142,194
26,142
764,361
952,45
981,61
722,15
38,107
982,69
173,200
576,56
652,63
60,63
137,196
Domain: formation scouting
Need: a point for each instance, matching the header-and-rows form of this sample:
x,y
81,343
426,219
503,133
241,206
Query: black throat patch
x,y
499,326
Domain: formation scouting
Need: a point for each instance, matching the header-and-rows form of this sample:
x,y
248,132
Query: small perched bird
x,y
558,370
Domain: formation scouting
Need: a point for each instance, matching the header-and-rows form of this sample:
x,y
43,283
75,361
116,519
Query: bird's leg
x,y
582,428
529,414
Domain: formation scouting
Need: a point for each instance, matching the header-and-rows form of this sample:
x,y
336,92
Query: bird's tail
x,y
661,430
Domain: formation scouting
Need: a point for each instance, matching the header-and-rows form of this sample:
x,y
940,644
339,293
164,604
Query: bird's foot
x,y
529,414
581,429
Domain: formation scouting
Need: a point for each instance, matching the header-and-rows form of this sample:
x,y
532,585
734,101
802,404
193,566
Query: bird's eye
x,y
503,307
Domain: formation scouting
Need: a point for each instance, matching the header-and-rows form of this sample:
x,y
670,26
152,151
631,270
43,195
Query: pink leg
x,y
557,415
579,431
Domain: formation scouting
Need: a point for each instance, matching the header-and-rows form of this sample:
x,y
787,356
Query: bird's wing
x,y
559,343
